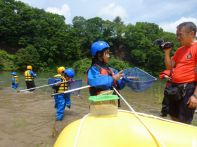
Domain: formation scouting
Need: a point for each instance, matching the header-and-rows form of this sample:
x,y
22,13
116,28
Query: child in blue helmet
x,y
69,75
100,76
15,80
63,100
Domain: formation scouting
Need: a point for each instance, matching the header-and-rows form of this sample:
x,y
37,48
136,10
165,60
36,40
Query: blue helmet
x,y
69,72
13,73
98,46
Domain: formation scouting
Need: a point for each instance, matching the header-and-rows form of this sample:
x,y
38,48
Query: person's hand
x,y
192,103
167,77
118,76
70,80
166,45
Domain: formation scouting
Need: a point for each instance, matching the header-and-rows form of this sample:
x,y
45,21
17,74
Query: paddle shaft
x,y
72,90
87,86
39,87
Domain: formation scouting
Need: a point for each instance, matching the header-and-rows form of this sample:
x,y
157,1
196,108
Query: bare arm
x,y
169,63
192,103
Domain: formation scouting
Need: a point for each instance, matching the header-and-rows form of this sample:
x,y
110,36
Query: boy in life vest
x,y
60,72
29,78
57,78
62,100
100,76
15,80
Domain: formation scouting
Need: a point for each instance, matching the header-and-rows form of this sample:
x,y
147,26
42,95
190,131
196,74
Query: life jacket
x,y
57,76
104,71
28,76
63,86
16,79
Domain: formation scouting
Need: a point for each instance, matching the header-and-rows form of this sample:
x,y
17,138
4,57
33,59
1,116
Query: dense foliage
x,y
81,66
44,40
6,61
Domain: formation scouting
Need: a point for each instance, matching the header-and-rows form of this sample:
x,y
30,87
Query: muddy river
x,y
27,119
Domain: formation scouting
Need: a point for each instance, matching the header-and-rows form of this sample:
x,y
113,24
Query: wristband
x,y
195,95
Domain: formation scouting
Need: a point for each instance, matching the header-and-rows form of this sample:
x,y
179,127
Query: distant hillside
x,y
44,40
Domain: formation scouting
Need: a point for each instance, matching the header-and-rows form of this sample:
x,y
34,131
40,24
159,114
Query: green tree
x,y
44,39
6,61
27,56
118,64
81,66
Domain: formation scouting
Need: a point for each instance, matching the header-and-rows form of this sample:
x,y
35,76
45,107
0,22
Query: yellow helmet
x,y
29,67
60,69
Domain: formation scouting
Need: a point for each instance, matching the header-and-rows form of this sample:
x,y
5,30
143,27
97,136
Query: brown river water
x,y
27,119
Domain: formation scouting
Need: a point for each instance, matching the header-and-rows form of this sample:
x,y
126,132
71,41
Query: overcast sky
x,y
166,13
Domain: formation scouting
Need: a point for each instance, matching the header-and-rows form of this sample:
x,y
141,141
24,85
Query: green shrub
x,y
6,61
81,66
118,64
28,56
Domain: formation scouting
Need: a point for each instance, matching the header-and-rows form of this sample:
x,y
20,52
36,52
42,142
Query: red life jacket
x,y
104,71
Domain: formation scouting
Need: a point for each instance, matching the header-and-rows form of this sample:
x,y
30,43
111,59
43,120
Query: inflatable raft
x,y
120,128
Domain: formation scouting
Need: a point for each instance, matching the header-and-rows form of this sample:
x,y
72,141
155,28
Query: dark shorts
x,y
30,84
179,109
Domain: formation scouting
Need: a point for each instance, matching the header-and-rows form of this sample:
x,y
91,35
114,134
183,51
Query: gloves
x,y
166,45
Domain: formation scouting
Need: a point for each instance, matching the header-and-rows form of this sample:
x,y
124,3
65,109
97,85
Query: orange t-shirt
x,y
186,62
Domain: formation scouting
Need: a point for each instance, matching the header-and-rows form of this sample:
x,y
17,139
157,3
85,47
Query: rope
x,y
158,142
79,129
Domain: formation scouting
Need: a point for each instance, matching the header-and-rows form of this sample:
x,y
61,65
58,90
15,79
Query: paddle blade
x,y
75,84
52,81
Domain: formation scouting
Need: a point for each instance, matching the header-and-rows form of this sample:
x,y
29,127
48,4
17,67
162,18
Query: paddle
x,y
72,90
135,78
39,87
87,86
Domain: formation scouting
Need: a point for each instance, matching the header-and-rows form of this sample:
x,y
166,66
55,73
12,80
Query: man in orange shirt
x,y
183,66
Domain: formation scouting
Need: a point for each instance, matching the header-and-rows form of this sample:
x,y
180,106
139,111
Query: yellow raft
x,y
126,129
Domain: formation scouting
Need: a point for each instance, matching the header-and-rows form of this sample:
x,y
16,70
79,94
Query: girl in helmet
x,y
15,80
63,100
100,76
